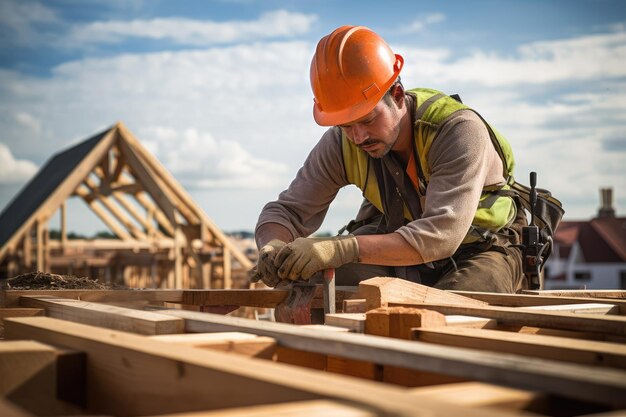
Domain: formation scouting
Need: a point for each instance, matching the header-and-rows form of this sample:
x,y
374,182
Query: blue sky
x,y
218,90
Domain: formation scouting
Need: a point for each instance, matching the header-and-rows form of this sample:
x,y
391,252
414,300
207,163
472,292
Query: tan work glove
x,y
304,257
265,270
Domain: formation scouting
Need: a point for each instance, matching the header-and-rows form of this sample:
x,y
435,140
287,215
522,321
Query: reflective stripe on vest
x,y
433,108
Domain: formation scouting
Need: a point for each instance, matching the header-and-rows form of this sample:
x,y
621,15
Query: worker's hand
x,y
304,257
265,270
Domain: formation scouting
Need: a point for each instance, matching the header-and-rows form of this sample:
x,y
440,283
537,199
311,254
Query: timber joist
x,y
429,352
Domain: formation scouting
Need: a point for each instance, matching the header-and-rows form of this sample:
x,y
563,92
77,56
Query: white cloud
x,y
421,22
199,160
21,18
279,23
568,60
14,170
28,121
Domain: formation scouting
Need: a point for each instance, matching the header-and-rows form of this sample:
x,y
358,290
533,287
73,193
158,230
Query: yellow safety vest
x,y
494,211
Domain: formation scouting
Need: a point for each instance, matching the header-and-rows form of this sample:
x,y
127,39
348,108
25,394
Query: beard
x,y
378,154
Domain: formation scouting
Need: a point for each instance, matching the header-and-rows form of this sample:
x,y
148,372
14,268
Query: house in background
x,y
589,254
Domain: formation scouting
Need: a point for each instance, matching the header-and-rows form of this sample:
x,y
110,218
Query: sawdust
x,y
46,281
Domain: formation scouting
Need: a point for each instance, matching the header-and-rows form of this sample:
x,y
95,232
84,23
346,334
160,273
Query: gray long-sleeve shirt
x,y
462,161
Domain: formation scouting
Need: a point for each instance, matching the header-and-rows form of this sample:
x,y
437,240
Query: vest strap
x,y
425,105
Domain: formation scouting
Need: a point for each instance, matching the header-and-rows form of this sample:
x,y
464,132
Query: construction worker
x,y
431,170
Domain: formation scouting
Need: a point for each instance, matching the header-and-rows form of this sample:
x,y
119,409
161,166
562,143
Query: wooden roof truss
x,y
140,202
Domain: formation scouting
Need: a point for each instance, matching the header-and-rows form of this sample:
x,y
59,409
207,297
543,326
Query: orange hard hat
x,y
351,71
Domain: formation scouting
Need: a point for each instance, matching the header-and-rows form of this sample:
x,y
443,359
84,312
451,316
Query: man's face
x,y
377,132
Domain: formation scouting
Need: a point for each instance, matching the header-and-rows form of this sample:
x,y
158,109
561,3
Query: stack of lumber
x,y
397,349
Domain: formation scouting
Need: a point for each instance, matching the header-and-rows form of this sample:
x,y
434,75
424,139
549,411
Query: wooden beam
x,y
615,325
160,196
146,202
10,298
548,347
354,306
151,231
118,214
397,322
189,379
63,225
103,215
380,291
313,408
27,259
584,382
580,293
102,315
477,394
232,342
9,409
36,376
17,312
121,199
586,308
241,297
227,263
20,361
40,257
528,300
355,322
20,312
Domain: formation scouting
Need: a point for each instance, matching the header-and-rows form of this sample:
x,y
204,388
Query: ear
x,y
398,95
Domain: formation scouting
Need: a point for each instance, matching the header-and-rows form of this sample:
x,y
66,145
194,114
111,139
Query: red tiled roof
x,y
613,232
601,240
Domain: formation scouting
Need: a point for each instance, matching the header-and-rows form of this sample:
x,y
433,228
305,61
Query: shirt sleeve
x,y
462,161
301,208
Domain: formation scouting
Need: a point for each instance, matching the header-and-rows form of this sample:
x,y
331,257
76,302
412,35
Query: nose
x,y
359,134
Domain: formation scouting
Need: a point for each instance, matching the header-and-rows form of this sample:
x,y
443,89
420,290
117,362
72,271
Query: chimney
x,y
606,203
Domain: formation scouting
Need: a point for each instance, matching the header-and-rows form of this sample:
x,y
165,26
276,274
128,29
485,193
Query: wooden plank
x,y
470,321
584,382
9,409
21,360
586,308
231,342
528,300
354,306
523,316
102,315
40,378
380,291
620,294
355,322
398,321
549,347
17,312
20,312
10,298
313,408
241,297
188,379
477,394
